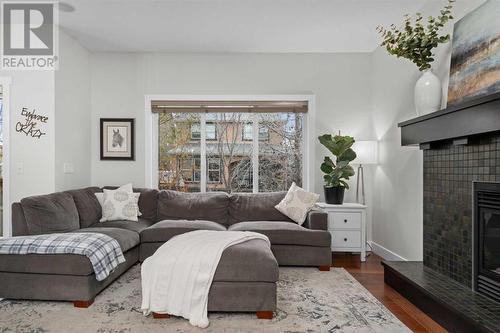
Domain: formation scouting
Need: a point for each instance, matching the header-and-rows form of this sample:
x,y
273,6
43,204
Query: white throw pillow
x,y
120,204
100,198
297,203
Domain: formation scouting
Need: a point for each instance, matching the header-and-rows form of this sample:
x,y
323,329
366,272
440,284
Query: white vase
x,y
428,93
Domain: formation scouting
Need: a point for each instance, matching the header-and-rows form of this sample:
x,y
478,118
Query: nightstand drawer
x,y
346,239
341,220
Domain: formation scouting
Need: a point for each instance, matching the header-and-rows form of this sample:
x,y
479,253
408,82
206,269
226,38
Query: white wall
x,y
67,129
72,114
398,181
33,90
35,163
397,204
340,83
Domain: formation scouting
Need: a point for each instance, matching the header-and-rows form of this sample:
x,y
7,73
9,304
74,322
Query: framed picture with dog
x,y
117,139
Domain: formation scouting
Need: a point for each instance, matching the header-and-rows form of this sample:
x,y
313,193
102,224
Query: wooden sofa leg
x,y
265,314
160,315
83,304
324,268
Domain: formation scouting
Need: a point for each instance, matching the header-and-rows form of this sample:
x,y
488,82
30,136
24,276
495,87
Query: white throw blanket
x,y
177,278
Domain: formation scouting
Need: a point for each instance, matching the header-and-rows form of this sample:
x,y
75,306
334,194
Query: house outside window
x,y
213,168
263,133
190,169
224,157
195,132
247,133
211,130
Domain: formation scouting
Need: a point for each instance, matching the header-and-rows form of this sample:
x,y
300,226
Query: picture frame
x,y
117,139
475,68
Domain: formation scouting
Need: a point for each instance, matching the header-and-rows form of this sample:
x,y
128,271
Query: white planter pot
x,y
428,93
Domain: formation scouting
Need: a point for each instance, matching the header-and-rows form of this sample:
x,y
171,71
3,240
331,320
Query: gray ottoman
x,y
245,281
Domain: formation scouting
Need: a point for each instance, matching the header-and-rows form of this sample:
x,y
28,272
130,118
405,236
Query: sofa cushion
x,y
88,206
126,238
138,226
148,201
164,230
250,261
285,233
244,207
68,264
173,205
50,213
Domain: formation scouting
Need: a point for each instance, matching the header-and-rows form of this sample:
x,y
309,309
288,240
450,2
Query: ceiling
x,y
232,25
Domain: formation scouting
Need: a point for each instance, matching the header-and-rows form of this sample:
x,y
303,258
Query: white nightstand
x,y
347,224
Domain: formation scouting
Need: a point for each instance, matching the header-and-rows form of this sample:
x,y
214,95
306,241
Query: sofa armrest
x,y
316,219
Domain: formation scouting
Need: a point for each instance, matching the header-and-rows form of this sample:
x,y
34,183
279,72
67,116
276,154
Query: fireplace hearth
x,y
486,239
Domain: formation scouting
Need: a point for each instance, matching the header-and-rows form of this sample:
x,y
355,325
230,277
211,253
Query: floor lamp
x,y
366,153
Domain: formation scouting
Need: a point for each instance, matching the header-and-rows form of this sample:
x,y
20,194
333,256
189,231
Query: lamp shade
x,y
366,152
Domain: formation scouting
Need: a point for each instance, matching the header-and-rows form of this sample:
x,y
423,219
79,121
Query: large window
x,y
216,151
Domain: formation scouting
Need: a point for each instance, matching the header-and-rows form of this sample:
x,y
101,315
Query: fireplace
x,y
486,239
458,282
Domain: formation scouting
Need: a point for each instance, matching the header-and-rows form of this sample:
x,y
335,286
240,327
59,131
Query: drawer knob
x,y
345,220
345,239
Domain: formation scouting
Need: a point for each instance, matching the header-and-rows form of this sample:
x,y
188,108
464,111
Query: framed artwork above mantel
x,y
475,57
117,140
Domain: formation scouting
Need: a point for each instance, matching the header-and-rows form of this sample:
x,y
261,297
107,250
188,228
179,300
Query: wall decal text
x,y
29,125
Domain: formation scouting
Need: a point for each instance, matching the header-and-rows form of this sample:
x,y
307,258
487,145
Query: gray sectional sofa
x,y
165,214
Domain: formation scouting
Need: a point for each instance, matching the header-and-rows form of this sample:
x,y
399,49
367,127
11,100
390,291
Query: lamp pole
x,y
360,173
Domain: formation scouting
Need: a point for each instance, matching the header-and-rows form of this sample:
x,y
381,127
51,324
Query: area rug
x,y
308,301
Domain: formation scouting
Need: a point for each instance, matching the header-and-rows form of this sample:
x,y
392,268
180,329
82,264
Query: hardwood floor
x,y
371,275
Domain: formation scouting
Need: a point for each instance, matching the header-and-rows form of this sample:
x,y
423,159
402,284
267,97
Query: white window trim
x,y
151,134
255,152
203,152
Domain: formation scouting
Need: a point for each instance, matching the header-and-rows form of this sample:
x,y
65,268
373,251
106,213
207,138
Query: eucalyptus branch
x,y
416,40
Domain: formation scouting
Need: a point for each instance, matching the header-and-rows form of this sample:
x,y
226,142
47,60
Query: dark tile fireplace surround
x,y
449,173
461,218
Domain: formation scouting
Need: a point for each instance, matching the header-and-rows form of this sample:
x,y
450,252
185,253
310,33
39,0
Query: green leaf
x,y
329,161
336,145
326,168
349,155
415,40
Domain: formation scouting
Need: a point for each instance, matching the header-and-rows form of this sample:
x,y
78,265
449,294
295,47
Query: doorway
x,y
5,225
1,160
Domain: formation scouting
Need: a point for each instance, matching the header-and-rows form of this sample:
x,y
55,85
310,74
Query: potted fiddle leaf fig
x,y
337,171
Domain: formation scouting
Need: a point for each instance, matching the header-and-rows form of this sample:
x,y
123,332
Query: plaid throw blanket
x,y
103,251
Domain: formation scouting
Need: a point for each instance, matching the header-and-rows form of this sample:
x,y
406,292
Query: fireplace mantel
x,y
456,123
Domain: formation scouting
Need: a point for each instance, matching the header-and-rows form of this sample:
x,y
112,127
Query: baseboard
x,y
385,253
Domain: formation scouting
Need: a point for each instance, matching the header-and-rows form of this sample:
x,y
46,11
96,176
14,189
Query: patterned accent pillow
x,y
100,198
297,203
120,204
